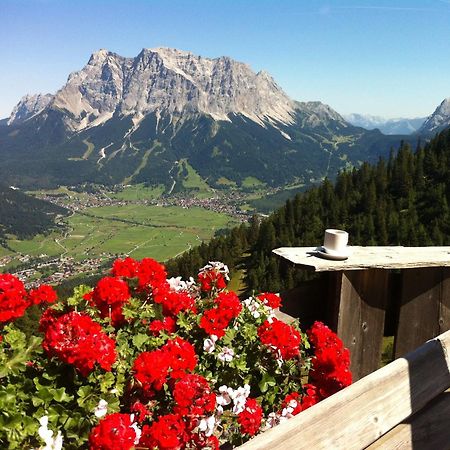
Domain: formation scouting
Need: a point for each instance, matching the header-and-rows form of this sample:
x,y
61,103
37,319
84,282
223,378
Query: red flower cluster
x,y
152,369
250,418
168,324
115,431
330,371
127,268
215,320
173,302
310,396
109,296
193,396
14,299
76,339
280,337
150,273
269,299
42,294
181,356
166,433
211,279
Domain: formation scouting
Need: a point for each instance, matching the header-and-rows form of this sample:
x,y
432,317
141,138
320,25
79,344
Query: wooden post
x,y
360,307
424,309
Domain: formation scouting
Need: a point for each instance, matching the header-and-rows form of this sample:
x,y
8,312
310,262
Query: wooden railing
x,y
404,405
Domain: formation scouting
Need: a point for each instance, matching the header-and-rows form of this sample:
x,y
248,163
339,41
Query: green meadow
x,y
139,231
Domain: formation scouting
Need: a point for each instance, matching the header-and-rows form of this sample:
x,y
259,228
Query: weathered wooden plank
x,y
361,312
419,308
369,257
427,429
358,415
444,312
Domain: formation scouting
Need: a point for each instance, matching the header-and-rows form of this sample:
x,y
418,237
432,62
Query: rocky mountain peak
x,y
169,82
439,120
29,106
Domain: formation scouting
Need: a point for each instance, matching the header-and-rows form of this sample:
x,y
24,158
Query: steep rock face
x,y
439,120
28,106
168,82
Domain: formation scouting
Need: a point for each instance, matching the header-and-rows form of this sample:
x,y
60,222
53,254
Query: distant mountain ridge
x,y
386,126
130,120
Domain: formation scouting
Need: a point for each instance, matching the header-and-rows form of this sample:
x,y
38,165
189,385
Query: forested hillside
x,y
401,201
24,216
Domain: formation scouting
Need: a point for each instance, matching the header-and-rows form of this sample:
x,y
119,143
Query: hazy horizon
x,y
383,58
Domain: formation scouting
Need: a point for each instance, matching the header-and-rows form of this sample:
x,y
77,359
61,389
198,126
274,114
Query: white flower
x,y
218,267
273,419
138,432
226,355
207,425
178,285
253,306
224,398
101,409
209,344
239,397
47,436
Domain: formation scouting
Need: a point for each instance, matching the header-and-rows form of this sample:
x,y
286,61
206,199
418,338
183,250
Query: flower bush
x,y
145,362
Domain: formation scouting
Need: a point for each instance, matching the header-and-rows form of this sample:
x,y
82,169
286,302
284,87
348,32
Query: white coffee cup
x,y
335,241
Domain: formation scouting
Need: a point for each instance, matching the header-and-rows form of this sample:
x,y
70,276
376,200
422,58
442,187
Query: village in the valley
x,y
55,269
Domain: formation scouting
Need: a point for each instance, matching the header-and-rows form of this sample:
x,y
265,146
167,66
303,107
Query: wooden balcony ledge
x,y
378,291
362,258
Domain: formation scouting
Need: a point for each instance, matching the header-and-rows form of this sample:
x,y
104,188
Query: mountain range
x,y
129,120
386,126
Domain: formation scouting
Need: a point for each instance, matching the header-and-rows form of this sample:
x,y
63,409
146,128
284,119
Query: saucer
x,y
329,254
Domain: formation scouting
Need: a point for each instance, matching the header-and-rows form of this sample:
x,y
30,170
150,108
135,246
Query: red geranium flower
x,y
330,367
76,339
109,296
173,302
151,370
166,433
193,396
13,298
151,274
114,432
250,418
42,294
211,279
269,299
181,356
281,337
127,268
167,324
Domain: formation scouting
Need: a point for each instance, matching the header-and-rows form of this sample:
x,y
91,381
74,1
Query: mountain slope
x,y
402,201
131,119
25,216
439,120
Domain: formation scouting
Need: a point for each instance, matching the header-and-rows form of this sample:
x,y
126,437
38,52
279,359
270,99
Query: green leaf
x,y
266,382
140,339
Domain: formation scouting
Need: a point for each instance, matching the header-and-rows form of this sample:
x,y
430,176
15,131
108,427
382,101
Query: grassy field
x,y
155,231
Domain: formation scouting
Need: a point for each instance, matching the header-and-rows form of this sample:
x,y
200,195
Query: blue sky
x,y
388,58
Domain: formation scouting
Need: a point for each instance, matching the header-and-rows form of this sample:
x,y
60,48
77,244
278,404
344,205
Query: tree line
x,y
403,200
